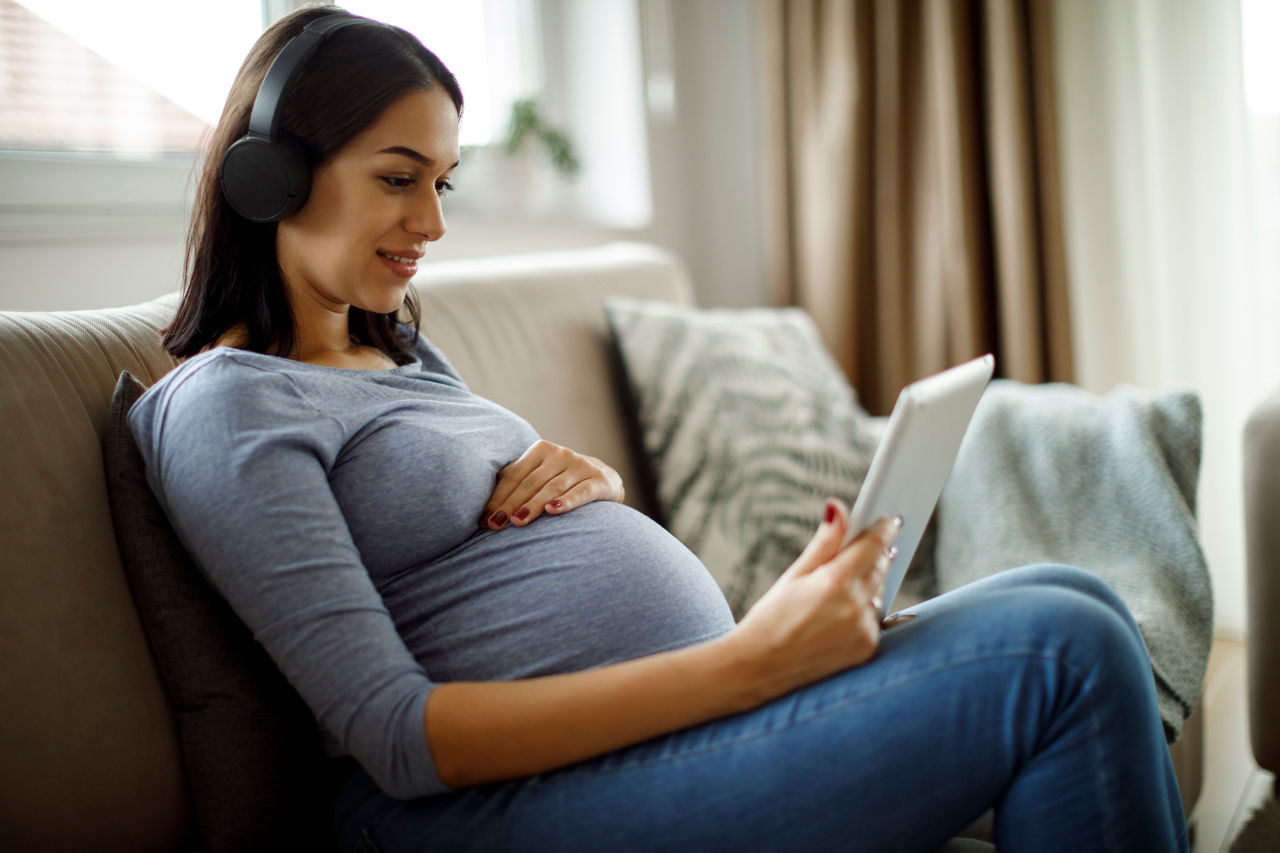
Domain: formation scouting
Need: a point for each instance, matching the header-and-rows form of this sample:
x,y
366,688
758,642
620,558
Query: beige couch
x,y
91,757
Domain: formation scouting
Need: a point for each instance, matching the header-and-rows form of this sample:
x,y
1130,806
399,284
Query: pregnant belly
x,y
597,585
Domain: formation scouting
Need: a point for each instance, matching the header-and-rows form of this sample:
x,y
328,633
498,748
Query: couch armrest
x,y
1262,538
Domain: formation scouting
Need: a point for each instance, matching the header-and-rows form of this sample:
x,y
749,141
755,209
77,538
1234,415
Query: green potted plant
x,y
527,124
526,172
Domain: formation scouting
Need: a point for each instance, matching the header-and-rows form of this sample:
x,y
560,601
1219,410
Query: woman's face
x,y
372,210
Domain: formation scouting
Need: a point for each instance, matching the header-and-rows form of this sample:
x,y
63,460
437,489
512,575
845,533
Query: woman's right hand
x,y
822,614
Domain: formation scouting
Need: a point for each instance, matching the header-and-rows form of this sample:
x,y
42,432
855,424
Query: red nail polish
x,y
498,519
522,513
556,504
831,512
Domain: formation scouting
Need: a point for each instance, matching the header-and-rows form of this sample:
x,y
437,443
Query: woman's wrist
x,y
741,675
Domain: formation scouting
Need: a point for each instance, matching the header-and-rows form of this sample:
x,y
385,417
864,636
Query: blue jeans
x,y
1030,691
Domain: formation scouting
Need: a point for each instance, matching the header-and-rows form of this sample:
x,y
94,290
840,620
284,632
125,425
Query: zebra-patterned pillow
x,y
749,426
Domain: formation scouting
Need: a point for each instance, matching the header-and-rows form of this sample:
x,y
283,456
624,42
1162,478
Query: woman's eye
x,y
397,183
443,187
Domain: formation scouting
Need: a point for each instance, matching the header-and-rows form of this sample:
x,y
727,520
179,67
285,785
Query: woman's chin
x,y
384,305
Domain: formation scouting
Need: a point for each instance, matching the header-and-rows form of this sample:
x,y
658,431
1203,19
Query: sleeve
x,y
240,465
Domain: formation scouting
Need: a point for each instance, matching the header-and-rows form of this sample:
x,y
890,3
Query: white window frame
x,y
55,198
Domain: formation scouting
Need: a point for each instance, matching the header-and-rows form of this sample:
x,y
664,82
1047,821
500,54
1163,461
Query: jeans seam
x,y
1104,799
1107,800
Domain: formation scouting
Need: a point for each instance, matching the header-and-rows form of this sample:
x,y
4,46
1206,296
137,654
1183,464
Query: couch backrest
x,y
90,755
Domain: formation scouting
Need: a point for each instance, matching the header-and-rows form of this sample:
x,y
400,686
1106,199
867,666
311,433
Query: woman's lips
x,y
405,267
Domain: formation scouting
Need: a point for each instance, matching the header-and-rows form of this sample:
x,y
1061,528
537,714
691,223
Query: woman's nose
x,y
427,219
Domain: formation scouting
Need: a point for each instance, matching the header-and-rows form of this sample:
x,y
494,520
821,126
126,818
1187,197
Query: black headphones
x,y
266,177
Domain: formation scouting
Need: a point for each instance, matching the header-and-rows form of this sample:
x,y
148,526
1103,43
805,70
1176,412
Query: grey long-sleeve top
x,y
336,510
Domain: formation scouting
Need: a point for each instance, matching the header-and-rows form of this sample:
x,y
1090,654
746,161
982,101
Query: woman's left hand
x,y
548,478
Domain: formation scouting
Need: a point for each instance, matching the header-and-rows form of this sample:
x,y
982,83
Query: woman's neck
x,y
326,350
322,336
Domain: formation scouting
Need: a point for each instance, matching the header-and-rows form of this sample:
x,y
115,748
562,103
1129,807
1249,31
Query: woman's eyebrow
x,y
411,154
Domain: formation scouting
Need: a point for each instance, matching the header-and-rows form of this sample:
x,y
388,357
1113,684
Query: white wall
x,y
710,158
110,264
67,241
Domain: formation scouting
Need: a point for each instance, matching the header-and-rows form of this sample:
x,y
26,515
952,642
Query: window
x,y
104,106
83,76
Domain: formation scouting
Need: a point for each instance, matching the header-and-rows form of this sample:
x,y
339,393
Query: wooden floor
x,y
1233,784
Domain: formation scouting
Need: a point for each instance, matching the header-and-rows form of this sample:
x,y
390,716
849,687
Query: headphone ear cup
x,y
264,179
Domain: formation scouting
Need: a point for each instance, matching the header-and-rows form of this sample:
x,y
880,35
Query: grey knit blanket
x,y
1051,473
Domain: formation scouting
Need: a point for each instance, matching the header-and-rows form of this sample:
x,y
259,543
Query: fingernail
x,y
897,522
892,552
498,520
831,512
522,513
898,618
556,504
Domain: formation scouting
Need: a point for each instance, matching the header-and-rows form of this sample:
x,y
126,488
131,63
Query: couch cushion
x,y
750,427
253,754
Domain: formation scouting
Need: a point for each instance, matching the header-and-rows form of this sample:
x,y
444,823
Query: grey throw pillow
x,y
749,426
253,752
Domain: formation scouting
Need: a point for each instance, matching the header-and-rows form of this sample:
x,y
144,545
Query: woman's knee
x,y
1046,602
1048,607
1088,624
1060,574
1071,578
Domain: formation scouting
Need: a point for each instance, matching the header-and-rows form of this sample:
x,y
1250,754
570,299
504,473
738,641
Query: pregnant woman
x,y
505,656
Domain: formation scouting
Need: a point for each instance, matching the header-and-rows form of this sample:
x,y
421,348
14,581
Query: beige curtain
x,y
920,220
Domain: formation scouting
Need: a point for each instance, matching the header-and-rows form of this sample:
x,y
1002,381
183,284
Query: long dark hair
x,y
231,274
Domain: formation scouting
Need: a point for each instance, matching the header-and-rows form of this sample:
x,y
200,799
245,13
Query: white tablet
x,y
915,457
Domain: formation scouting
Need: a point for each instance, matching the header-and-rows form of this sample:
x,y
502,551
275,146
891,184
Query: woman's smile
x,y
403,264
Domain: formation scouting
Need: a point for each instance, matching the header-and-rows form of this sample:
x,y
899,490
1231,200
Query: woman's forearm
x,y
482,732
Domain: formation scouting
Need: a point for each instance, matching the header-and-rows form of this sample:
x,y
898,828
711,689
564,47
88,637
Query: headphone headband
x,y
264,119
